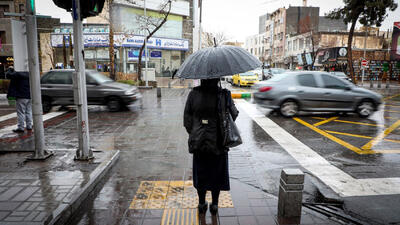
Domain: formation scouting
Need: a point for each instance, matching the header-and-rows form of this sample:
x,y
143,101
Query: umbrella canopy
x,y
215,62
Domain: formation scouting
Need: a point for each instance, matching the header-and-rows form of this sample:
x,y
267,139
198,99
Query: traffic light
x,y
88,7
91,7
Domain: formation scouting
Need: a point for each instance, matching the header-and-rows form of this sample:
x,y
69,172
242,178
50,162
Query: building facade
x,y
255,44
8,31
167,48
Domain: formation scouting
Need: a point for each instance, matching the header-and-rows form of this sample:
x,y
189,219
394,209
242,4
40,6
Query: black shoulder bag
x,y
230,132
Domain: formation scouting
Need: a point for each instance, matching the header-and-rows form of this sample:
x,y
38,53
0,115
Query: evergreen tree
x,y
367,12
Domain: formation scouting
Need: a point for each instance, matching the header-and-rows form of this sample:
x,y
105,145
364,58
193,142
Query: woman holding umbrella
x,y
210,157
202,116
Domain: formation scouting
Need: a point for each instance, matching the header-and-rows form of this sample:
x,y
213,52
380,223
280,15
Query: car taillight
x,y
264,89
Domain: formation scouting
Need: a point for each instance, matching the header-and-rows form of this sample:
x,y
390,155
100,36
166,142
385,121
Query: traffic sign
x,y
364,63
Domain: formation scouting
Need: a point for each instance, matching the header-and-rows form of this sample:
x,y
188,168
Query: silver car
x,y
341,75
291,92
56,87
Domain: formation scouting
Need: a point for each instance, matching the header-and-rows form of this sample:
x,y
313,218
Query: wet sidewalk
x,y
152,182
47,192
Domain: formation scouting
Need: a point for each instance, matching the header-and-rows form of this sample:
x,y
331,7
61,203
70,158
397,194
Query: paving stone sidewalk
x,y
153,147
47,192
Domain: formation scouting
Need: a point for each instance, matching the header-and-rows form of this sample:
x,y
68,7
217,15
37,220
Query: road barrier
x,y
290,194
241,95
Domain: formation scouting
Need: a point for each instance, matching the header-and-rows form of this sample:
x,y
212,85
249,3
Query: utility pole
x,y
365,47
34,77
83,152
200,17
145,46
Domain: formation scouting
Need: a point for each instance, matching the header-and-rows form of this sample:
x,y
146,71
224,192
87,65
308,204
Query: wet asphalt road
x,y
353,130
153,152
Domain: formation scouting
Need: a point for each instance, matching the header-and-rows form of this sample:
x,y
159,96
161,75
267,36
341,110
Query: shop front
x,y
163,54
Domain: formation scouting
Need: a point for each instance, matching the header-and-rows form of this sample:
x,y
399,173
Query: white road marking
x,y
339,181
8,116
47,116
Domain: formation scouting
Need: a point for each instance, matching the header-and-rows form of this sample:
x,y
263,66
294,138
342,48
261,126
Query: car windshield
x,y
247,74
277,71
340,74
100,78
278,77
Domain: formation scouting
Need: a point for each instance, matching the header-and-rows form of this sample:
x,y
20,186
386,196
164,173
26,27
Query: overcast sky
x,y
236,18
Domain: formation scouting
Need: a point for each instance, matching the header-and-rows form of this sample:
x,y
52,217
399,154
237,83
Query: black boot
x,y
213,209
202,208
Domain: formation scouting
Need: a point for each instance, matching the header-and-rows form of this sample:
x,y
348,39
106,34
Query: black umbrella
x,y
215,62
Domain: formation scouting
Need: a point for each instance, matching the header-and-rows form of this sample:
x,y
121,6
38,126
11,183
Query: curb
x,y
145,87
241,95
71,203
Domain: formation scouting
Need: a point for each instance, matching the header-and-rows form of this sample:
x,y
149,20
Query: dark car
x,y
291,92
57,89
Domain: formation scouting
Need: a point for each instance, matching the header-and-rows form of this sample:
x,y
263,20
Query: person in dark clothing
x,y
210,157
19,88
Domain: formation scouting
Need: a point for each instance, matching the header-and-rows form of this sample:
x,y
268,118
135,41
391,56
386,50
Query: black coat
x,y
201,120
19,85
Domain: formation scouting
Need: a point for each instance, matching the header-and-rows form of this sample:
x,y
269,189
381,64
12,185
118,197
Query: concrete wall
x,y
6,47
330,25
262,21
301,19
187,27
340,40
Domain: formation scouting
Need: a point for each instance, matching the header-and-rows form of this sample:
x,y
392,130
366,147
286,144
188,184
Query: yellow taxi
x,y
245,79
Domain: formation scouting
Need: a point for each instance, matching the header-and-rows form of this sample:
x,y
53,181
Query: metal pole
x,y
145,46
200,17
365,47
34,77
388,75
83,152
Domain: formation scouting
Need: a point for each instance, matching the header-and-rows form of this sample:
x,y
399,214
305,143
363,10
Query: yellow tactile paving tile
x,y
180,217
172,195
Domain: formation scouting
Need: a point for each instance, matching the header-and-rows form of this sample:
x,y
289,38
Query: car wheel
x,y
114,104
289,108
46,105
365,108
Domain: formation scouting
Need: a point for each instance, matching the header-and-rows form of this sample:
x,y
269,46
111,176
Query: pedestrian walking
x,y
19,89
210,157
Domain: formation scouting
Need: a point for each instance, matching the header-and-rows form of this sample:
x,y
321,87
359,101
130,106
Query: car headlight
x,y
129,92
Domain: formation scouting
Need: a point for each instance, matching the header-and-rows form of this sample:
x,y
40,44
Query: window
x,y
90,80
3,39
308,43
301,44
332,82
57,78
21,8
3,9
307,80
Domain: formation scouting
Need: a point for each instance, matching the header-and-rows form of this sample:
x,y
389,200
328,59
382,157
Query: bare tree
x,y
107,17
152,25
47,49
208,38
